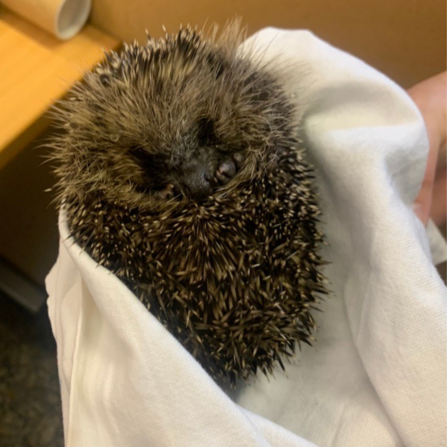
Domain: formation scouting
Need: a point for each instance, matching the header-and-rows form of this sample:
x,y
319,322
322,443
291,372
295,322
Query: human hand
x,y
430,96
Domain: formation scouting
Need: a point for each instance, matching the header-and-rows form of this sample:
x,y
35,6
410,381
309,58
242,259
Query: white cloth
x,y
376,375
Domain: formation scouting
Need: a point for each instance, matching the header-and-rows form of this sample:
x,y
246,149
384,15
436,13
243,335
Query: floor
x,y
30,406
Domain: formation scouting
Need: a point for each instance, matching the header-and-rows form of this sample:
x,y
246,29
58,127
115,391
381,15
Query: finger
x,y
438,212
430,97
423,202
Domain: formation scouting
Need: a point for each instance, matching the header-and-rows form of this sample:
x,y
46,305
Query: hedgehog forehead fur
x,y
234,275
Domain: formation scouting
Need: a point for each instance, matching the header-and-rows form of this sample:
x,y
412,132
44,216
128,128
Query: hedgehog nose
x,y
198,182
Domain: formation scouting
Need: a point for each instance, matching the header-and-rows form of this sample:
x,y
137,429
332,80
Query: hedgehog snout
x,y
199,179
196,180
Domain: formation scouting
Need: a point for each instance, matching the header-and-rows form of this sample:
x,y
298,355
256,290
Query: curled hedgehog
x,y
180,170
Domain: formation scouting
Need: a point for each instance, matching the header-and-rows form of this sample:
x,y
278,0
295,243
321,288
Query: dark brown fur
x,y
235,274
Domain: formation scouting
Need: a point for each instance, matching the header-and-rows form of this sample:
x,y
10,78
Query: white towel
x,y
376,375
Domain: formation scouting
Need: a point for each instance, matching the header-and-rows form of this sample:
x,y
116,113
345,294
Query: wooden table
x,y
35,70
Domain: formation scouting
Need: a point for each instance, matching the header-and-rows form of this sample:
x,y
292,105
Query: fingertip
x,y
422,211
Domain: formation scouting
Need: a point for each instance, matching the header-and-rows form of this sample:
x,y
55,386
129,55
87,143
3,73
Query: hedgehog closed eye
x,y
168,192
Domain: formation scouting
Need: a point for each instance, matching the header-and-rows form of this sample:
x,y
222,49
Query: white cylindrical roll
x,y
63,18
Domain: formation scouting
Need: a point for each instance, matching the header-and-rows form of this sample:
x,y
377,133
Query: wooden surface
x,y
35,70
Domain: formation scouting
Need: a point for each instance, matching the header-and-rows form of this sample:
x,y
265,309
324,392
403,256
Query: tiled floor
x,y
30,407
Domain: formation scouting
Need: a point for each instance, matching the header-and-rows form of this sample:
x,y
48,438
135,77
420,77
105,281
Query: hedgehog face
x,y
193,172
183,118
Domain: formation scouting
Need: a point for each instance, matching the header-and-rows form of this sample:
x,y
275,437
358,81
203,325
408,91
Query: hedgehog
x,y
180,169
